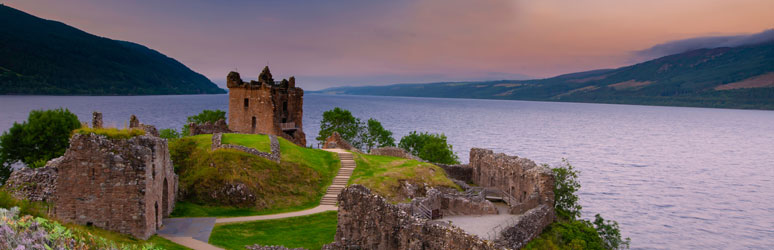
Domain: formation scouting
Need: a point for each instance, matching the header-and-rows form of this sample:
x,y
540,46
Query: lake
x,y
673,177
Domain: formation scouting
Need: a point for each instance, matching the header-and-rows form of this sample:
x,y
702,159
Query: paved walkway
x,y
194,233
485,226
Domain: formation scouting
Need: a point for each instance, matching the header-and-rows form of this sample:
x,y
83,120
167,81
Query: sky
x,y
356,42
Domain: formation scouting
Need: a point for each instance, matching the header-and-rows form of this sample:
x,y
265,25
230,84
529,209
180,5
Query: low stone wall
x,y
259,247
458,172
393,151
274,155
527,228
368,221
208,128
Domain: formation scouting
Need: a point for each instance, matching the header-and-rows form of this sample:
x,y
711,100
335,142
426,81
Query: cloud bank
x,y
708,42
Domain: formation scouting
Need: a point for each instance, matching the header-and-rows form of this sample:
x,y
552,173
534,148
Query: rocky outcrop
x,y
368,221
335,141
274,155
393,151
234,194
219,126
34,184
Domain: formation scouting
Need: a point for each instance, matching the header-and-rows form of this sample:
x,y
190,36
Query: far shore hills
x,y
44,57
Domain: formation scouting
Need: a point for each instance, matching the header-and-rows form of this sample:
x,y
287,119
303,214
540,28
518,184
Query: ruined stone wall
x,y
458,172
122,185
274,155
529,184
529,226
208,128
393,151
38,184
268,104
368,221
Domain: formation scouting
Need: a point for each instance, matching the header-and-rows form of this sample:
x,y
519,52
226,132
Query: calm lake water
x,y
674,178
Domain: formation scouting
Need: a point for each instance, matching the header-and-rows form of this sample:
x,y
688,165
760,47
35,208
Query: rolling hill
x,y
728,77
39,56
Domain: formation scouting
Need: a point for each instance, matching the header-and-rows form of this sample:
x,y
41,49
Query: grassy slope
x,y
310,232
383,174
298,183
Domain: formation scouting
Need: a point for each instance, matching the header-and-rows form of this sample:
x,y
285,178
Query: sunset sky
x,y
335,43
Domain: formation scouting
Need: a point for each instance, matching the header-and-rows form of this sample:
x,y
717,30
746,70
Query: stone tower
x,y
266,106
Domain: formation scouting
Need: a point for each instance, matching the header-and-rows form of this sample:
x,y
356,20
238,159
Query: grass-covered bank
x,y
297,183
384,174
310,232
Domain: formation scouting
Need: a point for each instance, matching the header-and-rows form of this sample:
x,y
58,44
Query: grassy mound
x,y
384,174
310,232
206,176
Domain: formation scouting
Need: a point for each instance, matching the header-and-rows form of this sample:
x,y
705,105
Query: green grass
x,y
112,133
188,209
297,183
310,232
259,142
383,174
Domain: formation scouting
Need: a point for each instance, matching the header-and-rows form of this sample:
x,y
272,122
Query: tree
x,y
206,115
565,186
169,133
44,136
429,147
610,233
376,136
341,121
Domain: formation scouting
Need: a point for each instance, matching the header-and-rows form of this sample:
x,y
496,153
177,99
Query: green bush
x,y
206,115
353,130
44,136
571,232
429,147
169,133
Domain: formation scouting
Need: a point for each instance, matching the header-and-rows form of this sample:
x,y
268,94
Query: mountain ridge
x,y
690,78
39,56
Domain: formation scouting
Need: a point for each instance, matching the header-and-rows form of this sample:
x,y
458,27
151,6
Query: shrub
x,y
610,233
112,133
44,136
206,115
169,133
353,130
565,186
429,147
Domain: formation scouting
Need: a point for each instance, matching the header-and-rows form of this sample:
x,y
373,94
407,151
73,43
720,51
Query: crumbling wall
x,y
528,184
458,172
274,155
122,185
393,151
219,126
368,221
34,184
335,141
134,123
529,226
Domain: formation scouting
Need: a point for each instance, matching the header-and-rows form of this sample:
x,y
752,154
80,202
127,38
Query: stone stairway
x,y
341,179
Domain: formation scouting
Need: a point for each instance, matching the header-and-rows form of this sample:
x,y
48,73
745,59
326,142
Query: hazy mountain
x,y
728,77
39,56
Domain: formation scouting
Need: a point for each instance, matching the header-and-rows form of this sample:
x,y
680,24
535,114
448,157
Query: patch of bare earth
x,y
508,85
631,84
506,93
584,89
588,79
761,81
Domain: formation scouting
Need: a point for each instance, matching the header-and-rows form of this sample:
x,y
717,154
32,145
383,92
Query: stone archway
x,y
165,199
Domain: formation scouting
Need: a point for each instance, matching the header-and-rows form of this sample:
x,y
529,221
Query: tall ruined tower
x,y
266,106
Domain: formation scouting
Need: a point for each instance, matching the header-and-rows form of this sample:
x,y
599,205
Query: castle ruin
x,y
266,106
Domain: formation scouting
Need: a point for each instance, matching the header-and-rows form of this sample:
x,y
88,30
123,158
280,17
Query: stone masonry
x,y
122,185
219,126
274,155
527,184
266,106
335,141
395,152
